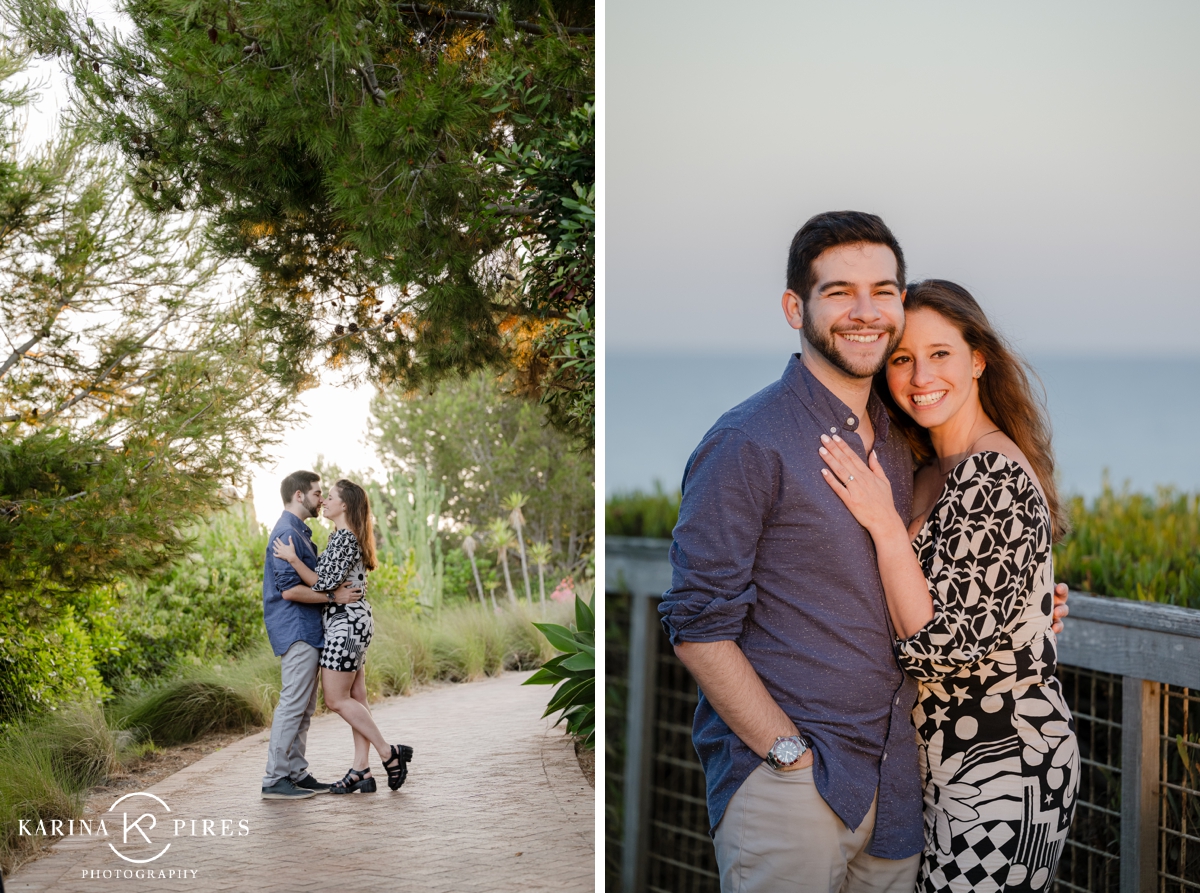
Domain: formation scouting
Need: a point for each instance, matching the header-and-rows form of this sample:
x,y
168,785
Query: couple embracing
x,y
317,616
862,587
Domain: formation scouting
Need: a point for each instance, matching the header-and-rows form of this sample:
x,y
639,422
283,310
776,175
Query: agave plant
x,y
514,502
470,544
573,671
502,540
540,553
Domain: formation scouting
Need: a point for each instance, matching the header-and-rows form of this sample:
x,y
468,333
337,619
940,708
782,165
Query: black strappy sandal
x,y
396,765
355,780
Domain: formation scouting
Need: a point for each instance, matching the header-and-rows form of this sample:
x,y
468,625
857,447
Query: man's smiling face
x,y
854,316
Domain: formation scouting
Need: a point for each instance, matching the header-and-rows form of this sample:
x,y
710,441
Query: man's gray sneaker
x,y
309,783
285,790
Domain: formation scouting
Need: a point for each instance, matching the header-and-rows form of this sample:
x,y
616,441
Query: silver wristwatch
x,y
786,751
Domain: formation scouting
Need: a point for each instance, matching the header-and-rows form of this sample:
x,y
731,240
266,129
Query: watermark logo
x,y
142,825
139,828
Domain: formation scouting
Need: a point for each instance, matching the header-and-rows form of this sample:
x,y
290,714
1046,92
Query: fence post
x,y
1141,703
639,739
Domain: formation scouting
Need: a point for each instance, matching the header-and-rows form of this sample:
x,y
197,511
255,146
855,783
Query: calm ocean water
x,y
1137,418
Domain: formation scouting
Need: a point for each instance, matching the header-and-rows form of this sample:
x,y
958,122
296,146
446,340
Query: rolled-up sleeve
x,y
729,487
285,575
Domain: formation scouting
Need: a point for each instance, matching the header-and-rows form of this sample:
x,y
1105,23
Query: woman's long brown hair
x,y
359,519
1005,389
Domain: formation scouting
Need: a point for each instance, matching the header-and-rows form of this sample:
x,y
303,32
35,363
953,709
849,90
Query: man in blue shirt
x,y
776,606
292,612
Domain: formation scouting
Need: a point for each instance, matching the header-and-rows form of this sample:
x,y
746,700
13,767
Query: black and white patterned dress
x,y
998,755
348,628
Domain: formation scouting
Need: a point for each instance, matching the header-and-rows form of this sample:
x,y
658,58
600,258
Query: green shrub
x,y
459,644
573,671
198,611
1135,546
50,650
183,710
642,514
47,764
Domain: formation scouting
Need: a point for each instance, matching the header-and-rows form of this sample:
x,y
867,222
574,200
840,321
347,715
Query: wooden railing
x,y
1145,656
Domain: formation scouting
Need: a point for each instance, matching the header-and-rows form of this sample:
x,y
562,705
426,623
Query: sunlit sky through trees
x,y
337,416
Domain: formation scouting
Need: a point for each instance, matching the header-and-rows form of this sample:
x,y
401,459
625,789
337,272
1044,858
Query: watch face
x,y
787,751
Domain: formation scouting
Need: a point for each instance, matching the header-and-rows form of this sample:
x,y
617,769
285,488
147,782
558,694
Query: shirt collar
x,y
829,410
295,523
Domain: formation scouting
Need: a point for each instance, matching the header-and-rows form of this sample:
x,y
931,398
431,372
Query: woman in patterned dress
x,y
968,583
348,628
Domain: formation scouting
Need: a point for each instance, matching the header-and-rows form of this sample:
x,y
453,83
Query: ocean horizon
x,y
1134,419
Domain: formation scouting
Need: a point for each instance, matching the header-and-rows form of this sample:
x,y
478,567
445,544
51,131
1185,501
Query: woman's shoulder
x,y
998,468
343,537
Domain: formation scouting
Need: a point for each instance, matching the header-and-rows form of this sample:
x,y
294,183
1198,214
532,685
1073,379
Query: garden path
x,y
495,801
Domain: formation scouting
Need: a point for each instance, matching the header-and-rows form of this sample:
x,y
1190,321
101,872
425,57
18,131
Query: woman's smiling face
x,y
333,504
932,372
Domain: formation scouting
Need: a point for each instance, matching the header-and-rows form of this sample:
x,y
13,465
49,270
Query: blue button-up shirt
x,y
290,622
767,555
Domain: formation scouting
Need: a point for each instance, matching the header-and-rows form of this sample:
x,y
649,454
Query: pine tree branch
x,y
464,15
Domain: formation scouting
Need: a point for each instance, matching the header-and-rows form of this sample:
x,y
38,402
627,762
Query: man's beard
x,y
312,509
825,343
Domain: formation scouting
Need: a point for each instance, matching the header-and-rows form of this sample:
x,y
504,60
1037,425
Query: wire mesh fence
x,y
1179,805
681,859
1090,861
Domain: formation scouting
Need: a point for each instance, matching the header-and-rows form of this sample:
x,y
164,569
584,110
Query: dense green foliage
x,y
387,169
573,672
132,393
1125,545
481,445
642,514
1134,545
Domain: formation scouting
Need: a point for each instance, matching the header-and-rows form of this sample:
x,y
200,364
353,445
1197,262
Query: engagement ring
x,y
850,478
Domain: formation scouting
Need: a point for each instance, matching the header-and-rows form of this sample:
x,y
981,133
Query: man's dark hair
x,y
297,480
829,230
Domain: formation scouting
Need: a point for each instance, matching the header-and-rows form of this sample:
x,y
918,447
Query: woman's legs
x,y
338,698
362,747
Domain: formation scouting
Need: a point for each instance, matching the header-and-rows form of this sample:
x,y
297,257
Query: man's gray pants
x,y
297,701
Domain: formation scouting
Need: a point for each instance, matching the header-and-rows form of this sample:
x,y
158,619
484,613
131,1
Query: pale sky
x,y
1043,155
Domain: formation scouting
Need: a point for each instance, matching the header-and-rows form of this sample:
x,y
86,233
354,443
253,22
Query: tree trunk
x,y
542,587
524,565
512,596
478,583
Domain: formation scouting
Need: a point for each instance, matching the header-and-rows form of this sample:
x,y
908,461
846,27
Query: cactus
x,y
407,514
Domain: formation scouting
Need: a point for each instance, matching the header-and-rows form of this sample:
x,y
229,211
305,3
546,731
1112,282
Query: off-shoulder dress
x,y
998,755
348,628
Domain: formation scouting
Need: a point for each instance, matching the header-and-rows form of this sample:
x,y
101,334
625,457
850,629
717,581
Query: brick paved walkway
x,y
494,801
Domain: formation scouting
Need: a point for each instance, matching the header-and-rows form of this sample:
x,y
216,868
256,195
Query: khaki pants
x,y
777,834
289,727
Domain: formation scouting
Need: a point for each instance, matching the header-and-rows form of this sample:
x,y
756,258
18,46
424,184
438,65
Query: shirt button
x,y
885,756
850,421
833,430
897,702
